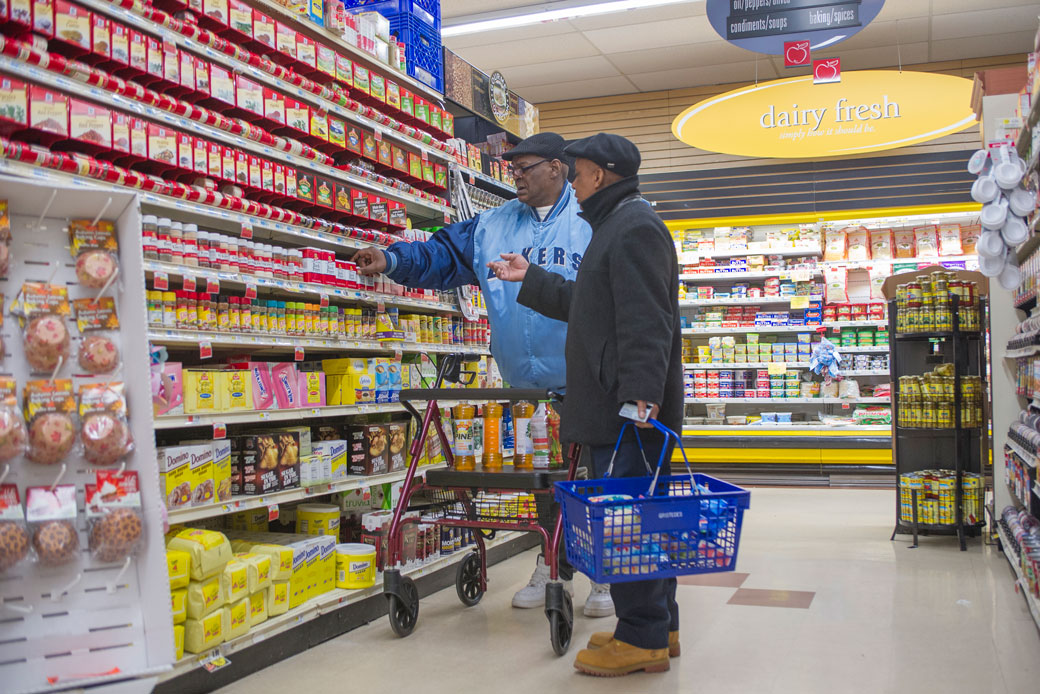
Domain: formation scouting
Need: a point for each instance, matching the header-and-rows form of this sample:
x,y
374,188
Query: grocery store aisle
x,y
869,615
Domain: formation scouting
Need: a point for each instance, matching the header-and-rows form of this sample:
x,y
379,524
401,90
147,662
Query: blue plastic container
x,y
428,11
423,49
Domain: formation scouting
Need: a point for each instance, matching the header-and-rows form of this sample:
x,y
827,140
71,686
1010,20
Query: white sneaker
x,y
599,603
533,594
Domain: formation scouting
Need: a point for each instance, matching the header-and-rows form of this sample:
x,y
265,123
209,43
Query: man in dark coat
x,y
624,344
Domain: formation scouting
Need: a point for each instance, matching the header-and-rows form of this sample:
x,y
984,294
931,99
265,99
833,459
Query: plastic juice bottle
x,y
540,437
462,424
523,448
492,435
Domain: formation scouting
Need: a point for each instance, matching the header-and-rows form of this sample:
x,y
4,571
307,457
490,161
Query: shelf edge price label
x,y
212,286
214,661
378,134
298,354
272,512
447,218
247,229
250,290
160,281
205,349
189,284
845,406
219,431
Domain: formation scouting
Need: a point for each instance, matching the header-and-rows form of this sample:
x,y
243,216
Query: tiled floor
x,y
882,618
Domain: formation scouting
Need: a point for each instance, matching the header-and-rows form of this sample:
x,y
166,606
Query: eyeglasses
x,y
519,171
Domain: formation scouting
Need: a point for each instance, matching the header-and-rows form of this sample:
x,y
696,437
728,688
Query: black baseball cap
x,y
608,151
548,145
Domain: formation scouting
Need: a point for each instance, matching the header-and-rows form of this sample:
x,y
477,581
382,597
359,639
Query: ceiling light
x,y
554,15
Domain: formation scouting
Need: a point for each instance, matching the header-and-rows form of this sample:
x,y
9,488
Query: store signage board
x,y
488,96
868,111
764,26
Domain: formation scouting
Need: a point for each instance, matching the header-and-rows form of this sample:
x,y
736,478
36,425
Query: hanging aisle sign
x,y
763,26
868,111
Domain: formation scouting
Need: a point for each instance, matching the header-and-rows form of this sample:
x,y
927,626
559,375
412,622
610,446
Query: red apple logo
x,y
796,53
827,71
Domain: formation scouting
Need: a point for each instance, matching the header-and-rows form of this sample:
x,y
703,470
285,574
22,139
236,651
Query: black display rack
x,y
964,449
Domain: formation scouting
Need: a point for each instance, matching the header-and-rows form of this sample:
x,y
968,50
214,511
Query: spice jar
x,y
164,243
150,237
169,307
190,243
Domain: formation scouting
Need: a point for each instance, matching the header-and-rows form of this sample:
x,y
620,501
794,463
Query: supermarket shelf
x,y
724,276
1031,601
214,218
260,416
69,85
747,365
473,177
1022,352
788,401
1028,458
860,350
762,301
898,261
800,427
1030,245
236,279
221,339
856,324
687,257
246,503
318,606
769,329
867,372
910,337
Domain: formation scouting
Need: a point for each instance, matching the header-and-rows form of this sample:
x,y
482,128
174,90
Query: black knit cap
x,y
608,151
548,145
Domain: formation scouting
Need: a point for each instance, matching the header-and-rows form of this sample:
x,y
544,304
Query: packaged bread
x,y
278,598
209,551
881,244
858,245
258,570
235,618
178,565
179,605
204,597
178,641
904,241
203,634
257,608
234,581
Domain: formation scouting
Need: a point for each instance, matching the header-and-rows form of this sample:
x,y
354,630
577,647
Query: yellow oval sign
x,y
868,111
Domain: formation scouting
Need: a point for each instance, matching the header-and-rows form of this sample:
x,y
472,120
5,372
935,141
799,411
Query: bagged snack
x,y
14,437
881,244
114,515
904,241
858,243
51,513
104,431
48,407
98,324
96,252
950,239
14,538
834,249
926,241
45,337
969,238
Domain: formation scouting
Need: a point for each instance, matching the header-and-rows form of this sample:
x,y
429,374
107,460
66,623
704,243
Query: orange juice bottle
x,y
492,435
462,421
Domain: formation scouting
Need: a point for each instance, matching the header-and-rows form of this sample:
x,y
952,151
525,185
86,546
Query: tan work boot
x,y
602,638
618,658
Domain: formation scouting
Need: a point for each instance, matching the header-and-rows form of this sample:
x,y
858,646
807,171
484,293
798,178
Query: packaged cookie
x,y
114,519
96,250
14,537
98,324
14,436
49,408
42,309
104,431
51,513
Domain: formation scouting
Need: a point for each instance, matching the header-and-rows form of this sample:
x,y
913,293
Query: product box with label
x,y
368,451
175,480
201,391
255,464
397,432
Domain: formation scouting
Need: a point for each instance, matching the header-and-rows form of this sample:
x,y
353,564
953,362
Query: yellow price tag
x,y
799,302
777,368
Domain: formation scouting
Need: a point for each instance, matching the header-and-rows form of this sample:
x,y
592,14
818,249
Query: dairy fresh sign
x,y
869,111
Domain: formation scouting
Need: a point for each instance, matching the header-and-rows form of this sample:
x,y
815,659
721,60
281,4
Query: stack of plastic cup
x,y
1000,187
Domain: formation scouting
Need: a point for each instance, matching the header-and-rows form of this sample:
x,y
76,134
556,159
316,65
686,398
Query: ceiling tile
x,y
496,56
885,34
948,6
631,17
462,8
992,21
903,9
527,33
982,46
543,73
697,76
563,91
653,34
673,57
884,56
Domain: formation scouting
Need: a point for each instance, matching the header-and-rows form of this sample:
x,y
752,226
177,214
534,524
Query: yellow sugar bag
x,y
277,598
209,551
236,619
257,608
178,642
179,604
259,568
204,597
234,581
281,559
178,565
203,634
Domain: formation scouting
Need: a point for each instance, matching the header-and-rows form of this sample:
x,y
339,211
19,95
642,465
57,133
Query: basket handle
x,y
639,441
664,451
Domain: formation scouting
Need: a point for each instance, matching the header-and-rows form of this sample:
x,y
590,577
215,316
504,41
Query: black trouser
x,y
646,610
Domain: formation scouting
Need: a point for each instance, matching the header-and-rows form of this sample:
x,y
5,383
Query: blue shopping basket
x,y
641,528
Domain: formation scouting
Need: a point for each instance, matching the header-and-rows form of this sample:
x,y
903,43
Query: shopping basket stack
x,y
640,528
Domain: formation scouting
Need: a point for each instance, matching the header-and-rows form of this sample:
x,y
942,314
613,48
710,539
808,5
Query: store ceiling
x,y
674,47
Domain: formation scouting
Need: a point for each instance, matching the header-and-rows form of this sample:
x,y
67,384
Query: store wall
x,y
646,119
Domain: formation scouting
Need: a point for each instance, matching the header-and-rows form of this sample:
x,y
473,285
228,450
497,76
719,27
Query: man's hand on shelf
x,y
370,261
512,267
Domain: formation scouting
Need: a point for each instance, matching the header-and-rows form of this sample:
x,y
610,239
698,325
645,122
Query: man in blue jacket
x,y
542,224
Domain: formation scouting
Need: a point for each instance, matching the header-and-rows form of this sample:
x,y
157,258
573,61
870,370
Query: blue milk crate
x,y
617,529
428,11
423,49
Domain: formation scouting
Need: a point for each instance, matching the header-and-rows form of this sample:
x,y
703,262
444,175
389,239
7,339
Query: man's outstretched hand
x,y
512,267
370,261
